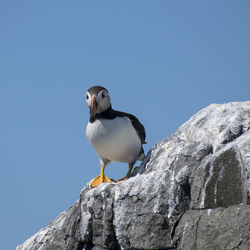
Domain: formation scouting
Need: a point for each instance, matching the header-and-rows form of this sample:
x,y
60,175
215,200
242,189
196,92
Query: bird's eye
x,y
87,97
103,95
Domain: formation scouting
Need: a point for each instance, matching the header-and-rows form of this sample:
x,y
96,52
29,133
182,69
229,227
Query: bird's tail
x,y
141,155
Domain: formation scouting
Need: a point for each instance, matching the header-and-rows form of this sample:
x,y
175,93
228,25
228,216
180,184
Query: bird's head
x,y
98,100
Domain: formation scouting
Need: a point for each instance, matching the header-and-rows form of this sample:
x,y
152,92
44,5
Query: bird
x,y
116,136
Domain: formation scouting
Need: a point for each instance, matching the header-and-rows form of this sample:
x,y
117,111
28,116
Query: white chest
x,y
115,140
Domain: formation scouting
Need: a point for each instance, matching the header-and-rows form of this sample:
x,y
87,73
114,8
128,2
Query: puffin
x,y
116,136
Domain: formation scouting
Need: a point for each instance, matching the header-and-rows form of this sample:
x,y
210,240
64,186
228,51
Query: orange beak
x,y
93,107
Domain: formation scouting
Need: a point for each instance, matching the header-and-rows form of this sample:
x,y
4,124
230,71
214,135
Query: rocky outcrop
x,y
192,191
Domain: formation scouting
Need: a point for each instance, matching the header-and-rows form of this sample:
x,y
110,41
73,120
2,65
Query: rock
x,y
220,228
192,191
61,232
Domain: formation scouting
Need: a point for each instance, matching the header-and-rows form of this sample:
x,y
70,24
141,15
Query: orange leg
x,y
102,178
130,166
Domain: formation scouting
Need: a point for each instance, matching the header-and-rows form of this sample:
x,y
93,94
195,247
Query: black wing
x,y
140,130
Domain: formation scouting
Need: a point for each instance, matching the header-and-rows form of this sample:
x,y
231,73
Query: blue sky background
x,y
160,60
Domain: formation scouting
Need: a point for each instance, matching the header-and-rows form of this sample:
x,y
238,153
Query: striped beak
x,y
93,107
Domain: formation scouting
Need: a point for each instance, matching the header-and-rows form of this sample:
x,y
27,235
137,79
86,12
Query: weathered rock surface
x,y
220,228
192,191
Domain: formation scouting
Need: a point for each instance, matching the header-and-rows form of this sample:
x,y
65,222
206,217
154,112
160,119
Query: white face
x,y
99,103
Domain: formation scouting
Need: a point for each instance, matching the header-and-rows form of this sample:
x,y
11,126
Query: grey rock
x,y
220,228
218,181
60,234
194,181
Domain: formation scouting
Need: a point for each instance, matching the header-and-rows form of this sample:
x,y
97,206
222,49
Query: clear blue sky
x,y
160,60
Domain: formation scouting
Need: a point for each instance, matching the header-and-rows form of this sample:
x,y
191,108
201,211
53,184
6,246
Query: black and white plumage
x,y
116,136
